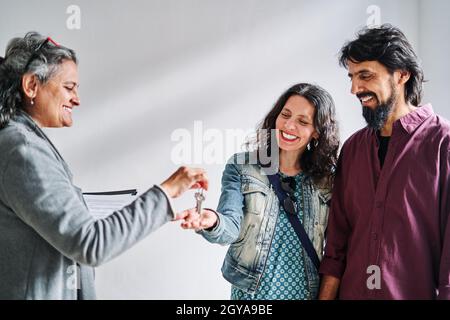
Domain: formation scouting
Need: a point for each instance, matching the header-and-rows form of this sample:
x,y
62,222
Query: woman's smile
x,y
288,137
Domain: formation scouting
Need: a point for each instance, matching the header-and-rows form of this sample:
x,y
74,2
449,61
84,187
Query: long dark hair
x,y
389,46
319,161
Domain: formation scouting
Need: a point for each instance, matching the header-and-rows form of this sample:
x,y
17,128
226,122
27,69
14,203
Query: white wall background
x,y
150,67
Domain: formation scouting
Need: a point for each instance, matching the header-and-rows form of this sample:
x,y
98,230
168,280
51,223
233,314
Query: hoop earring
x,y
316,143
308,146
32,101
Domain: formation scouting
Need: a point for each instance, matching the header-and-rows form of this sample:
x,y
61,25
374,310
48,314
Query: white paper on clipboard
x,y
103,204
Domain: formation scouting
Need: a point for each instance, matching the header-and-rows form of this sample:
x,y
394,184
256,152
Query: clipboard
x,y
102,204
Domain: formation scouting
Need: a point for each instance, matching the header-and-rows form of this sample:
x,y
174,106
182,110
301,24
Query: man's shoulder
x,y
441,132
441,124
358,137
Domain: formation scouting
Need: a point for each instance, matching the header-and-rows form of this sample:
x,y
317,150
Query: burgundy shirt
x,y
396,217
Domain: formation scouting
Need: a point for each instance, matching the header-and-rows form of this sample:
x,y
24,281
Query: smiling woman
x,y
266,259
35,73
53,101
46,229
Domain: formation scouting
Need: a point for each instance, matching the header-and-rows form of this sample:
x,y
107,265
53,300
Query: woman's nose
x,y
76,100
289,124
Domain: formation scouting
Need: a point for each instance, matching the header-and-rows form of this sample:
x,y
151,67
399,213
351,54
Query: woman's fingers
x,y
200,179
183,179
192,220
187,215
191,225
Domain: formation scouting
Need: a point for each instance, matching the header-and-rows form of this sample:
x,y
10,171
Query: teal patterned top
x,y
284,277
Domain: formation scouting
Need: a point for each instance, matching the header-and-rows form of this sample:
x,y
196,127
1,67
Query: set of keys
x,y
199,198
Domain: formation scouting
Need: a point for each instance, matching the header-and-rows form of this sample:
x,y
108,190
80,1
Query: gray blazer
x,y
49,241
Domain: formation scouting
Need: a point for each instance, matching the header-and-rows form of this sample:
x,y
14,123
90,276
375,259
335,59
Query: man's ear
x,y
404,76
30,85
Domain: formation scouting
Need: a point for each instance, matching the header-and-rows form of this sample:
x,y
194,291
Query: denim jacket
x,y
248,211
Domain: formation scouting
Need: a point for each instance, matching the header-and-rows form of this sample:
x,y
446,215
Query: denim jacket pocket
x,y
243,236
321,209
323,214
254,200
243,250
323,205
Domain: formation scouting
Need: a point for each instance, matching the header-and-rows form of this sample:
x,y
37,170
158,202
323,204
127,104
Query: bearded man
x,y
388,231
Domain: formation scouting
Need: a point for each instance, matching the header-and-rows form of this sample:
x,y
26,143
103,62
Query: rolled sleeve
x,y
331,267
338,230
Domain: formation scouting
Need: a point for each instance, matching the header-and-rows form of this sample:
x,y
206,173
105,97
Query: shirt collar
x,y
413,119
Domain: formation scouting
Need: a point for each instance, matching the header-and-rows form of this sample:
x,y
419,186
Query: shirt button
x,y
379,204
374,235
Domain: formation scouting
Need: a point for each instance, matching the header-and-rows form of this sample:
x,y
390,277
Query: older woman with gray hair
x,y
46,230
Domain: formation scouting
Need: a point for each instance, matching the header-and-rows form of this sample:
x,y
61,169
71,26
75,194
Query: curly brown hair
x,y
319,162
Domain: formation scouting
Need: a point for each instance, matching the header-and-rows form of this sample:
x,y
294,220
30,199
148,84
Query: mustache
x,y
366,94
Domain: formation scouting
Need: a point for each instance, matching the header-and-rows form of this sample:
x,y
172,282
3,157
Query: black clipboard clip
x,y
133,192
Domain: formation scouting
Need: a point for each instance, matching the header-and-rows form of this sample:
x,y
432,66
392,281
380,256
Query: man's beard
x,y
376,118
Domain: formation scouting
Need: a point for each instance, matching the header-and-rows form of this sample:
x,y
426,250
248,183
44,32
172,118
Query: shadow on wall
x,y
183,88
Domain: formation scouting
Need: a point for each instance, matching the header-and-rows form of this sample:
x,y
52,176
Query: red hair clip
x,y
52,41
